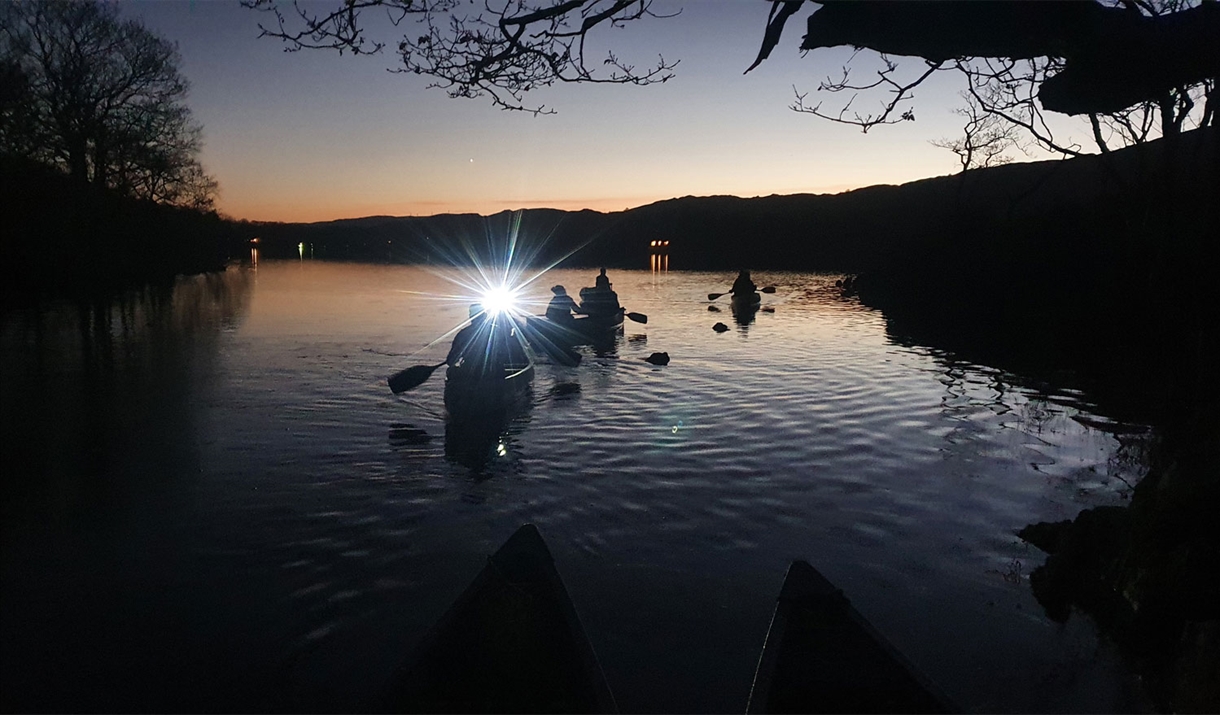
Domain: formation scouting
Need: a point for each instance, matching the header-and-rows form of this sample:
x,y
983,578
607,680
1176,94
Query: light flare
x,y
496,272
499,299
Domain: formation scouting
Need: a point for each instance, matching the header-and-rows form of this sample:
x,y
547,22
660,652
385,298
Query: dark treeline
x,y
63,237
101,188
1098,264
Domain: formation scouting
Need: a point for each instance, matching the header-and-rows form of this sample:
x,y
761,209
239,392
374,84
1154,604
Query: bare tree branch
x,y
901,92
502,51
986,138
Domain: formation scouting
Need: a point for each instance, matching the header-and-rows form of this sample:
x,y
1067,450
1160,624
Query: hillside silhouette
x,y
856,231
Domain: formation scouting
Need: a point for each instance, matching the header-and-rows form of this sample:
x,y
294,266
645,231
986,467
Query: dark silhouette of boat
x,y
822,656
470,393
745,303
511,642
556,340
581,330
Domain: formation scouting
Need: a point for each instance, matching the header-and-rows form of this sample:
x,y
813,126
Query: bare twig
x,y
901,92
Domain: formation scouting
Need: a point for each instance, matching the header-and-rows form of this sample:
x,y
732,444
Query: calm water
x,y
213,501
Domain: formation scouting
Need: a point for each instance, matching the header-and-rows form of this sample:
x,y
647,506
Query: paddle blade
x,y
768,289
638,317
714,296
404,380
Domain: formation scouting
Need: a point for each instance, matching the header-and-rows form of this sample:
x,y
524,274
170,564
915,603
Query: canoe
x,y
473,395
511,642
746,302
822,656
595,323
583,330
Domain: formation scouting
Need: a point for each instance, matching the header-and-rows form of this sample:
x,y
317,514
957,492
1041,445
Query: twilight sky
x,y
312,135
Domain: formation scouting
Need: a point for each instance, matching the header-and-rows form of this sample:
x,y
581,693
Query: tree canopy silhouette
x,y
1123,65
1131,68
100,97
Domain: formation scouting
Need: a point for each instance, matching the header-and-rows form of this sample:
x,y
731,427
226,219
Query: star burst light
x,y
497,274
499,299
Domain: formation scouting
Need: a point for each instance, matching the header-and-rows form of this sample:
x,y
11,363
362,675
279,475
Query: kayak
x,y
822,656
746,302
511,642
468,394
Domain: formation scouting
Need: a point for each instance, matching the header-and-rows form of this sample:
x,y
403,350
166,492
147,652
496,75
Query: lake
x,y
212,500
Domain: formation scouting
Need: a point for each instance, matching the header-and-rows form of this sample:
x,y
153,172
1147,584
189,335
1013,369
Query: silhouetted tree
x,y
18,120
986,138
1117,65
100,97
1019,58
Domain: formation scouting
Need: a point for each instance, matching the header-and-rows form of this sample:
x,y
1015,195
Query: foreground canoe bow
x,y
512,642
821,656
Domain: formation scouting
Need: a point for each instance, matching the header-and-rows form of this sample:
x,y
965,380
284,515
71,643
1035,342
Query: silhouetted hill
x,y
855,231
1100,266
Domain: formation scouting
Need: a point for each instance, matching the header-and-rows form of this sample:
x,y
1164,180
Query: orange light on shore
x,y
254,240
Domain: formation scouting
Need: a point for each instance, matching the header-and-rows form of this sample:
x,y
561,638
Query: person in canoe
x,y
600,300
743,286
561,308
487,345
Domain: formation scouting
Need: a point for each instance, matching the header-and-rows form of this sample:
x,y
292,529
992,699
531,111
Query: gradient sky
x,y
312,135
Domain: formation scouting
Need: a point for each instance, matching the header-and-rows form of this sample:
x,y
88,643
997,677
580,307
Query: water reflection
x,y
606,344
77,377
743,315
1051,432
487,444
100,407
563,391
255,496
408,435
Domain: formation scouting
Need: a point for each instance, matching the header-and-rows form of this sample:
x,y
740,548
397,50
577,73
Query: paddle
x,y
714,296
638,317
404,380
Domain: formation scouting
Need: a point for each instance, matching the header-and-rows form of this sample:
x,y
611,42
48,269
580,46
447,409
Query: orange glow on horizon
x,y
308,212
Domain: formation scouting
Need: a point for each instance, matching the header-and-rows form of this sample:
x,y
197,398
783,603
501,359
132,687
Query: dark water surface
x,y
212,500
